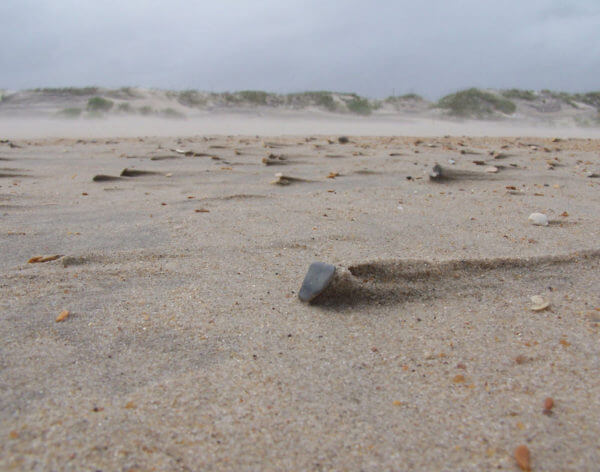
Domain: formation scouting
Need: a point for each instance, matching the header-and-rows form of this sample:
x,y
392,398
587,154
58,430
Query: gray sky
x,y
430,47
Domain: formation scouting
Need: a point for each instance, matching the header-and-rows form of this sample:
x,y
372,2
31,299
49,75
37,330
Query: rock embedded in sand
x,y
436,172
317,279
523,457
343,140
538,219
62,316
539,303
548,405
105,178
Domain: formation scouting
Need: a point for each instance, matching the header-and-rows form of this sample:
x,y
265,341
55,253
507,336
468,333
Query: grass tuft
x,y
359,105
476,103
519,94
99,104
256,97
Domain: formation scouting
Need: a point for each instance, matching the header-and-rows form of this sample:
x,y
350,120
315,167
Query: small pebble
x,y
62,316
523,458
317,279
538,303
436,172
538,219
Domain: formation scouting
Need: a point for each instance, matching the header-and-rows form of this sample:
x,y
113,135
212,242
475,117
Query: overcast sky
x,y
430,47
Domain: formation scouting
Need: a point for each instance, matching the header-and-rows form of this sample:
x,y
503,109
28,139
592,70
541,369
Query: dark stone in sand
x,y
135,172
343,140
105,178
163,158
317,279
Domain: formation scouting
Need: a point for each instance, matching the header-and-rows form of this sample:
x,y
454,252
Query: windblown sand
x,y
186,347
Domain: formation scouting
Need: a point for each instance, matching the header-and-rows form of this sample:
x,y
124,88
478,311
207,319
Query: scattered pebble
x,y
436,172
521,359
62,316
538,219
281,179
522,456
273,159
38,259
539,303
333,175
491,170
317,279
548,405
105,178
343,140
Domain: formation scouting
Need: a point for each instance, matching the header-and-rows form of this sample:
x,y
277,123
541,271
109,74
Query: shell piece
x,y
539,303
38,259
491,170
317,279
538,219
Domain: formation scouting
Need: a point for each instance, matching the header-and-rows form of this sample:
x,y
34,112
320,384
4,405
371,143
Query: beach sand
x,y
186,347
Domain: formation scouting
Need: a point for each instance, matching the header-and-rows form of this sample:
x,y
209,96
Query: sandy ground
x,y
186,347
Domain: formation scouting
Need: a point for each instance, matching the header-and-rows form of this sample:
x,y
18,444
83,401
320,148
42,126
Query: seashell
x,y
539,303
538,219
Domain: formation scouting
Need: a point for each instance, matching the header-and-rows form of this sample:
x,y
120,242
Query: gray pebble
x,y
317,279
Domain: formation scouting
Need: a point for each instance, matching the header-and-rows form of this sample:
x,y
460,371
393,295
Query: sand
x,y
186,347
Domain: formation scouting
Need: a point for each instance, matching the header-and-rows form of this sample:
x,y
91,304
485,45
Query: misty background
x,y
431,47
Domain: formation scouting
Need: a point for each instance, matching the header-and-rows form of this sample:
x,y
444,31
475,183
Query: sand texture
x,y
186,348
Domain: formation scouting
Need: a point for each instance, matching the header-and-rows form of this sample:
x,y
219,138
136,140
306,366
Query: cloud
x,y
430,47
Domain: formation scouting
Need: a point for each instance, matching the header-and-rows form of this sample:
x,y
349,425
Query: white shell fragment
x,y
539,303
538,219
491,170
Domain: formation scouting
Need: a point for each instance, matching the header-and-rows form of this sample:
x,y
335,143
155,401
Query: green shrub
x,y
564,97
75,91
590,98
70,113
519,94
475,103
397,99
359,105
256,97
405,97
191,98
230,97
99,104
321,99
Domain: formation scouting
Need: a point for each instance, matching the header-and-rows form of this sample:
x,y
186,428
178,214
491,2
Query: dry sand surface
x,y
186,347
